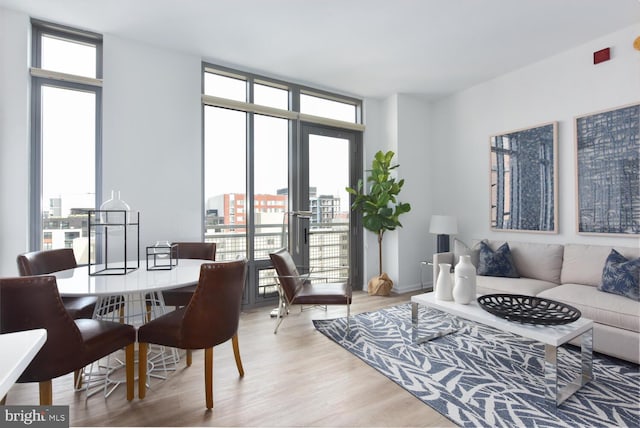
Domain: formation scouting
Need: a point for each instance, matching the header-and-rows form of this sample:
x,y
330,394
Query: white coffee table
x,y
551,336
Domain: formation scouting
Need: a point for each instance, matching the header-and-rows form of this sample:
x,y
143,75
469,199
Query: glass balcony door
x,y
325,236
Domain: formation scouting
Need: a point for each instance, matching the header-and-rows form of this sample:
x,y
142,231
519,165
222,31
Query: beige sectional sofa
x,y
571,274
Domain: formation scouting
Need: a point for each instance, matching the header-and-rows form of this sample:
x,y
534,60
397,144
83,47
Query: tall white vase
x,y
464,289
444,287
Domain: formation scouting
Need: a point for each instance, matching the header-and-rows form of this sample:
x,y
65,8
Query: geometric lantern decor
x,y
114,237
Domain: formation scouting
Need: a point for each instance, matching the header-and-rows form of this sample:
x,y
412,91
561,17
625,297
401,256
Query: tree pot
x,y
380,285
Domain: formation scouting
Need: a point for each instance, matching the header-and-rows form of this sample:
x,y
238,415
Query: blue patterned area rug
x,y
480,376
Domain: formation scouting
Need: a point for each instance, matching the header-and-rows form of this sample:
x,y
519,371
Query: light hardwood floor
x,y
297,377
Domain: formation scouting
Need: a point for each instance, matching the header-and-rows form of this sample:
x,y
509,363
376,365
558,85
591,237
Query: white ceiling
x,y
362,47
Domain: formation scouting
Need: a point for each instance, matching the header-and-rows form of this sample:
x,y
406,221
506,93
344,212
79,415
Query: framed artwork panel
x,y
607,147
524,185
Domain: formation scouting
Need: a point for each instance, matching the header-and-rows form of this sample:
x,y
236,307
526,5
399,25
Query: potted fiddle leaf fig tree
x,y
380,209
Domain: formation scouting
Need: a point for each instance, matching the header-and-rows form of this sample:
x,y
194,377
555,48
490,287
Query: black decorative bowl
x,y
528,309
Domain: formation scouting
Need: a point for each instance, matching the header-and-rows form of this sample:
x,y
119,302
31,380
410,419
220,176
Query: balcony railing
x,y
328,249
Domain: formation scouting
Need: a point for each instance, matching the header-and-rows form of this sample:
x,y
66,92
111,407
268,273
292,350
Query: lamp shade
x,y
443,225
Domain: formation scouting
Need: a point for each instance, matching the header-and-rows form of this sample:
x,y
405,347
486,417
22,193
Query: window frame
x,y
293,112
41,28
41,78
296,121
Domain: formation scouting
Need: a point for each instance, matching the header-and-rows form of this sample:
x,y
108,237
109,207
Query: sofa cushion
x,y
496,263
583,264
526,286
538,261
603,308
621,276
535,260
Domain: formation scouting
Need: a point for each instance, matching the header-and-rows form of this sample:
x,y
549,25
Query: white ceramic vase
x,y
444,287
464,289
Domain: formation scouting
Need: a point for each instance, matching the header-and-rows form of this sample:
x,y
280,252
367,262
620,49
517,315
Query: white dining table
x,y
18,350
138,288
78,282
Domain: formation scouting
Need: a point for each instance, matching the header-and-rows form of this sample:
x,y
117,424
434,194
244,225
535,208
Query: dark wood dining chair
x,y
31,302
79,307
179,297
297,289
49,261
211,317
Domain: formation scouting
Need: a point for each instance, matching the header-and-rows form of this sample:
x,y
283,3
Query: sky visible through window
x,y
68,56
68,148
68,128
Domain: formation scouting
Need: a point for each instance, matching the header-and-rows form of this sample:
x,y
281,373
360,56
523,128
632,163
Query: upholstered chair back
x,y
47,261
196,250
288,275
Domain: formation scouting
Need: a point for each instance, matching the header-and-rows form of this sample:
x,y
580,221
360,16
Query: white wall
x,y
14,138
401,123
381,120
152,137
390,242
414,242
373,140
556,89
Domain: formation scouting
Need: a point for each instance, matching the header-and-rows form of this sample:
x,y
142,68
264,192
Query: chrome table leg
x,y
553,393
414,327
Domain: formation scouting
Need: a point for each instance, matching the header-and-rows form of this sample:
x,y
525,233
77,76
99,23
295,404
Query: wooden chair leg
x,y
189,357
236,354
121,313
208,376
142,369
129,363
77,379
46,393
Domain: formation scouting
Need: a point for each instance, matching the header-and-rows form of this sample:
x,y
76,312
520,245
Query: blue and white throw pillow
x,y
621,276
496,263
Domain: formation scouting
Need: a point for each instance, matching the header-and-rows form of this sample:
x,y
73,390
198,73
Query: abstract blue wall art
x,y
524,187
608,171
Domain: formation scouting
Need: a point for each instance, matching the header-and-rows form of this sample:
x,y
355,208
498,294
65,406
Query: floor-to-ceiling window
x,y
277,157
66,121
